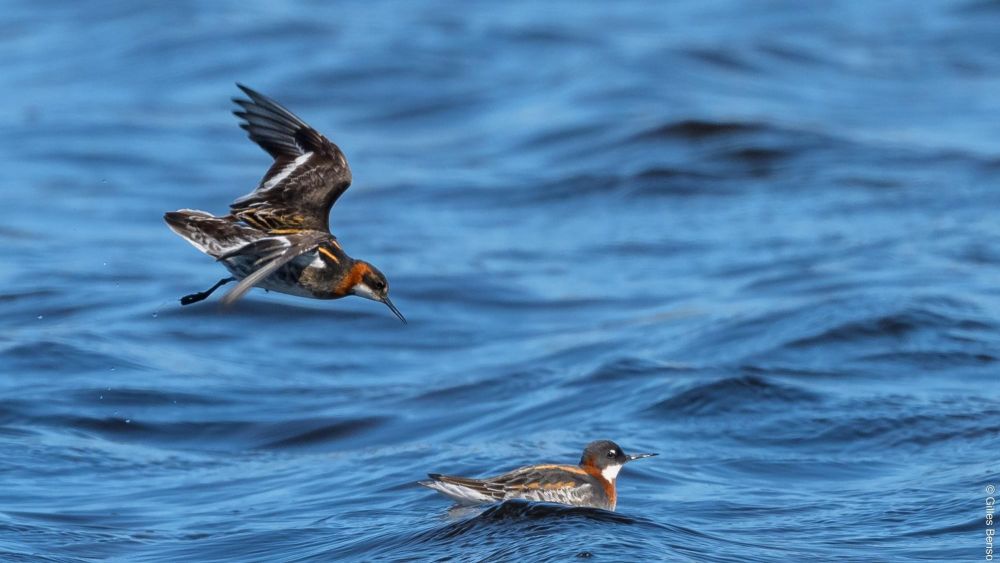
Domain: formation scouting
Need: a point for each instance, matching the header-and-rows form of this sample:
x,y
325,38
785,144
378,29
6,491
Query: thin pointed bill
x,y
634,457
394,310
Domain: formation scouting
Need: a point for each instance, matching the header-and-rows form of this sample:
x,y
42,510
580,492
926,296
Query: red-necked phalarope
x,y
278,236
592,483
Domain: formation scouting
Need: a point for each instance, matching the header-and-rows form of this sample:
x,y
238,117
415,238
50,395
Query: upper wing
x,y
544,477
549,483
520,481
308,175
273,254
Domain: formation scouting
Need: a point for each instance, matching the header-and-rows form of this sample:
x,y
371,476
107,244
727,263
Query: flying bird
x,y
278,237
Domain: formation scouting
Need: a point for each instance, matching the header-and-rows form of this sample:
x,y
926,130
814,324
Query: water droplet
x,y
128,421
40,317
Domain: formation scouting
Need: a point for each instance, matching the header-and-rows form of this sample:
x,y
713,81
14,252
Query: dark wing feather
x,y
308,175
482,486
541,477
265,249
537,479
271,258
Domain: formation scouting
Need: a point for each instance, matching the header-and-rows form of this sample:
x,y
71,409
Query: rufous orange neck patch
x,y
353,278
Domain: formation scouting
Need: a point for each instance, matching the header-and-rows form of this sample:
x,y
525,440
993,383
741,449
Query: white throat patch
x,y
362,290
610,472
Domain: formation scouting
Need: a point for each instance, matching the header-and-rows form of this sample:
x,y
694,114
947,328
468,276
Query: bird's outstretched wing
x,y
271,254
308,175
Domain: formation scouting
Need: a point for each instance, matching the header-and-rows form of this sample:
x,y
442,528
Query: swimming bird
x,y
278,237
592,483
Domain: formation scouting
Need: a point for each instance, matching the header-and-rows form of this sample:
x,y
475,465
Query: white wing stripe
x,y
286,171
276,179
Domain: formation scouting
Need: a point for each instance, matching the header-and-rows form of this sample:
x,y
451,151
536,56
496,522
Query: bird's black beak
x,y
634,457
393,308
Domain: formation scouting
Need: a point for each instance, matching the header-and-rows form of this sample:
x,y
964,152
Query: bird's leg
x,y
196,297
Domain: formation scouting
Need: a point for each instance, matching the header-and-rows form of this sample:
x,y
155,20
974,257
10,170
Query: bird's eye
x,y
612,453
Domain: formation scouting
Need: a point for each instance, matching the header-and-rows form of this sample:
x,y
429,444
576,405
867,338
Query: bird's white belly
x,y
282,281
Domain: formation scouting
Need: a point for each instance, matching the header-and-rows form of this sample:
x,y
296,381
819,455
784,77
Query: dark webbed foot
x,y
202,295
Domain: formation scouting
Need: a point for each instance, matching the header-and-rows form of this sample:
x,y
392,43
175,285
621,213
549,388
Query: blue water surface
x,y
757,238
